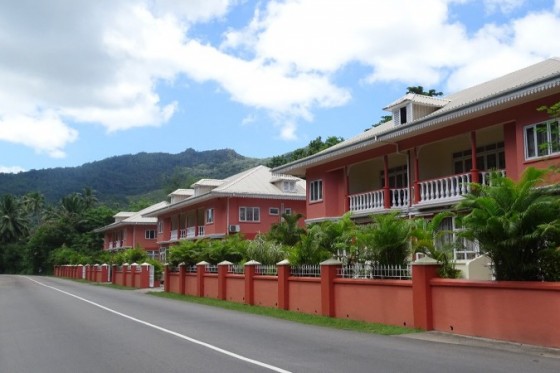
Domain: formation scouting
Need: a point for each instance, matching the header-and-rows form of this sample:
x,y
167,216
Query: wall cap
x,y
331,262
252,263
426,261
284,262
225,263
202,263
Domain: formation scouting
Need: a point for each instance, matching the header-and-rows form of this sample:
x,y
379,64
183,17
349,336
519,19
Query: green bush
x,y
265,251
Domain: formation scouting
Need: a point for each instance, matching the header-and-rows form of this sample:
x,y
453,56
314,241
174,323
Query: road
x,y
56,325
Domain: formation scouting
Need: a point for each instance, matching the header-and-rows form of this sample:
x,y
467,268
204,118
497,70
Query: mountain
x,y
121,179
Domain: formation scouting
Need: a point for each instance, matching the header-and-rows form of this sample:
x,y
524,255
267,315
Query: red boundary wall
x,y
523,312
133,275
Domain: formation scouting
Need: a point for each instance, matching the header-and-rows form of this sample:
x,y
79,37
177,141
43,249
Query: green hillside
x,y
122,179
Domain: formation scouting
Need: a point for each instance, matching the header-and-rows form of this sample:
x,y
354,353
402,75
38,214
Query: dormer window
x,y
289,186
402,115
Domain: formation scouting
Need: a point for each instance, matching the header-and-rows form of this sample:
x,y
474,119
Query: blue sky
x,y
81,80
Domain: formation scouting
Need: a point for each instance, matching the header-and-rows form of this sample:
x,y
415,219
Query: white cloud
x,y
11,169
44,132
503,6
87,62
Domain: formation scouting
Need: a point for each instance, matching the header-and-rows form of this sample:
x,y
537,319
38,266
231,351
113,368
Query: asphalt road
x,y
55,325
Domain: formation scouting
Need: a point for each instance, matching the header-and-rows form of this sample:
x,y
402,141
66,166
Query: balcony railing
x,y
368,201
191,232
201,230
174,235
445,188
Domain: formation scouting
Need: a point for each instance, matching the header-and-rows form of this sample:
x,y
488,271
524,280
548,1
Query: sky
x,y
82,80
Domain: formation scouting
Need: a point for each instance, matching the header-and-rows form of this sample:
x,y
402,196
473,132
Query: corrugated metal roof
x,y
135,218
257,182
517,85
421,99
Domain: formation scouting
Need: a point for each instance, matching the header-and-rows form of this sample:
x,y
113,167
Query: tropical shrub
x,y
310,249
517,224
425,236
265,251
389,239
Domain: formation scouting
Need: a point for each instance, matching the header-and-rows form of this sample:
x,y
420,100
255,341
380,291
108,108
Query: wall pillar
x,y
423,270
166,277
125,272
145,276
114,276
182,275
328,275
200,272
223,268
250,269
284,269
132,268
104,273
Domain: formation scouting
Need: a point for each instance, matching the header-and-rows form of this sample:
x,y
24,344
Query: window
x,y
488,157
249,214
289,186
402,114
448,238
542,139
274,211
397,177
150,234
209,216
316,190
288,211
160,226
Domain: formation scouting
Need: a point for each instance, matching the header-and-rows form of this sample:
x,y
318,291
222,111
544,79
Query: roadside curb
x,y
440,337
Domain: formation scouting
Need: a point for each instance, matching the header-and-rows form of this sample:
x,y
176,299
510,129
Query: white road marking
x,y
178,335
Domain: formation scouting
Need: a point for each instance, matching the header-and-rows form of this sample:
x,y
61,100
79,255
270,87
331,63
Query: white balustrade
x,y
367,201
183,233
174,234
190,232
399,197
201,230
450,187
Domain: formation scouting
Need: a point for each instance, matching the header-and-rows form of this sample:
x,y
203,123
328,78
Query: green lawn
x,y
303,318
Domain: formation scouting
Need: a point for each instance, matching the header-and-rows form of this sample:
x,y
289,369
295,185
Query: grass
x,y
303,318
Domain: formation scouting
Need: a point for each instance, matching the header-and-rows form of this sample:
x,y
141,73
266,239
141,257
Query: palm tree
x,y
287,232
516,224
13,221
34,203
389,238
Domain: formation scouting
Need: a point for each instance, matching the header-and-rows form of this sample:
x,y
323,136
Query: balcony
x,y
434,192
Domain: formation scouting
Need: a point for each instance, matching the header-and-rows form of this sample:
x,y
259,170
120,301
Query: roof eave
x,y
298,167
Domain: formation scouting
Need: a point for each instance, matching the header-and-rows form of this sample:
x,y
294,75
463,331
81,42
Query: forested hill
x,y
122,178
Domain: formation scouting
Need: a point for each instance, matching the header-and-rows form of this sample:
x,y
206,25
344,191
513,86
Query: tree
x,y
517,224
420,91
13,220
287,232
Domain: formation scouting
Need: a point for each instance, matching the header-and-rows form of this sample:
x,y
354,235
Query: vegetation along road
x,y
56,325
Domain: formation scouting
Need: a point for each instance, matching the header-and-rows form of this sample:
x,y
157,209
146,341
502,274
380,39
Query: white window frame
x,y
289,186
160,226
469,249
150,234
250,214
316,190
209,216
273,211
288,211
542,146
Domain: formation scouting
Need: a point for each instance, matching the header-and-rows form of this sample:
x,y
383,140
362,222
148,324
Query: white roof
x,y
182,192
523,85
134,218
257,182
420,99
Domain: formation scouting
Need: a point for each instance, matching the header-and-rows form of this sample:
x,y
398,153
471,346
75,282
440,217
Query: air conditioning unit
x,y
234,228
